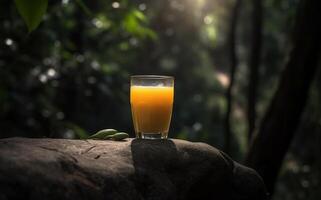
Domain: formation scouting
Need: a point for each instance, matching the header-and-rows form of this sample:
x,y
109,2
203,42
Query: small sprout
x,y
102,134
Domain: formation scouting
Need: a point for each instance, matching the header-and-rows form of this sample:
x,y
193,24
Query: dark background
x,y
70,77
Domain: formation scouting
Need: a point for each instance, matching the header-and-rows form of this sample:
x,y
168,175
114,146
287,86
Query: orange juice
x,y
151,109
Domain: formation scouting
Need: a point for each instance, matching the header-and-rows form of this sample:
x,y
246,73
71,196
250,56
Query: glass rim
x,y
151,77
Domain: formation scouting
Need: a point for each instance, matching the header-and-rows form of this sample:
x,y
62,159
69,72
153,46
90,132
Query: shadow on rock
x,y
152,160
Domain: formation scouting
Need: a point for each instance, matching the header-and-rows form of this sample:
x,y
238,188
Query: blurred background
x,y
70,76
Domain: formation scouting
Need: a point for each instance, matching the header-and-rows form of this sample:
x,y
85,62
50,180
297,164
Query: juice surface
x,y
151,108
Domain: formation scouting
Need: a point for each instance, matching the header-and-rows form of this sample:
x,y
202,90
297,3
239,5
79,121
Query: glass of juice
x,y
151,99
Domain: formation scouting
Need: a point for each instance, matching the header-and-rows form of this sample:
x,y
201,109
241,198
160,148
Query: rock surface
x,y
132,169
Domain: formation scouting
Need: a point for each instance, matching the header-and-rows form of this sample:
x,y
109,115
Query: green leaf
x,y
102,134
139,15
32,11
135,23
117,136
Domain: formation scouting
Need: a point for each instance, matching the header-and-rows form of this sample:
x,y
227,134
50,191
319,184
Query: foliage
x,y
32,11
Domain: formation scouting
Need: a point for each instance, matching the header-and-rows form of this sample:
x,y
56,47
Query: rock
x,y
133,169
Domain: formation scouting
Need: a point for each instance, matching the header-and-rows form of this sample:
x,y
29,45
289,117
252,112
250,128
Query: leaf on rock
x,y
102,134
117,136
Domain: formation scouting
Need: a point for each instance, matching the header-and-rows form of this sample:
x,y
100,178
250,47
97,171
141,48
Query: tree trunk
x,y
234,63
254,63
283,115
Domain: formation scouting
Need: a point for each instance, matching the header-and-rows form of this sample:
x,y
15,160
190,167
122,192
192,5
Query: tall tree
x,y
234,63
283,115
254,63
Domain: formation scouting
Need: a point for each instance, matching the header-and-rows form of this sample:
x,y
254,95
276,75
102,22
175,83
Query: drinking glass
x,y
151,99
